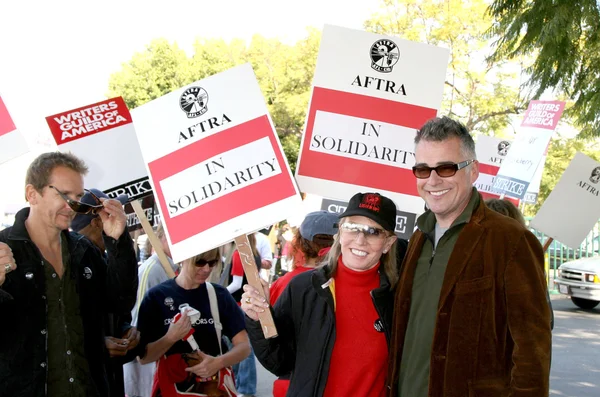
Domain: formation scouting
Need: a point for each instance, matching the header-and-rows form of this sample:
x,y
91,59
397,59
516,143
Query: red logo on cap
x,y
371,202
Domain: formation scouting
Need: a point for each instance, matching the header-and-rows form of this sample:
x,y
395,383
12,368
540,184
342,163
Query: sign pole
x,y
547,244
156,244
251,271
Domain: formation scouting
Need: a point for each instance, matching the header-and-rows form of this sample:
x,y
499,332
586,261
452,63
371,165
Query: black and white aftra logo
x,y
595,177
87,273
193,102
503,148
384,55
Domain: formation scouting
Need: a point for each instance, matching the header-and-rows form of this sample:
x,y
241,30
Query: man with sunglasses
x,y
58,287
472,316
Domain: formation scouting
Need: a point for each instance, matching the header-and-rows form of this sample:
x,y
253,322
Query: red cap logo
x,y
371,201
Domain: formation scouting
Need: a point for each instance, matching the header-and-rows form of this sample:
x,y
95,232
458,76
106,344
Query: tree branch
x,y
515,110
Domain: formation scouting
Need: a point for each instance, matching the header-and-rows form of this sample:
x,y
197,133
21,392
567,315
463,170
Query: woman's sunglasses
x,y
204,262
78,206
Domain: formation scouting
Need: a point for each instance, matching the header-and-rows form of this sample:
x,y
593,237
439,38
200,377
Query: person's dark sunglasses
x,y
443,170
78,206
204,262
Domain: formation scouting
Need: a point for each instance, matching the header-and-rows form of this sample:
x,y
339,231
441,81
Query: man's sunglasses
x,y
204,262
78,206
443,170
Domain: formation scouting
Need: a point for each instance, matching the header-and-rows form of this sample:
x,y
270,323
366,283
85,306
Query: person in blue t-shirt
x,y
162,336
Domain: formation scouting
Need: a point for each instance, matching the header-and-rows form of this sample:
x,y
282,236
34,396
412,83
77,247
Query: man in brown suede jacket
x,y
471,314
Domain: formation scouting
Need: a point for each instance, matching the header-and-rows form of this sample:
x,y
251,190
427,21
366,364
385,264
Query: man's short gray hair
x,y
440,129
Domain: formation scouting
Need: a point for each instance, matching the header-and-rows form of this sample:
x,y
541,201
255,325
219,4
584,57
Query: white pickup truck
x,y
580,279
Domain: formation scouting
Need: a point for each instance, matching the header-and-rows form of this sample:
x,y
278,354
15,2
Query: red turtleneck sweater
x,y
360,354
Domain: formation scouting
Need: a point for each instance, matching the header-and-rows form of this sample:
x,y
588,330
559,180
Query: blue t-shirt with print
x,y
162,302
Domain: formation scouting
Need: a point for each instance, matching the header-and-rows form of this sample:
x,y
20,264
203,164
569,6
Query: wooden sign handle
x,y
156,244
251,271
547,244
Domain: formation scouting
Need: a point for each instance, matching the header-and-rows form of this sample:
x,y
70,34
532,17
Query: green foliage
x,y
151,74
483,96
564,37
284,74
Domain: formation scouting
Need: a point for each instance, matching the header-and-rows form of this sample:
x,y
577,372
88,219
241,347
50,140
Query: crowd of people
x,y
461,309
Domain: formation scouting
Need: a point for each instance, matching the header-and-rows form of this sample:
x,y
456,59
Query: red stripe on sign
x,y
6,123
231,205
488,169
359,172
88,120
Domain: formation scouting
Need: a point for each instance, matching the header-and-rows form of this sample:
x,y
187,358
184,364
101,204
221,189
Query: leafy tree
x,y
284,74
564,37
150,74
482,95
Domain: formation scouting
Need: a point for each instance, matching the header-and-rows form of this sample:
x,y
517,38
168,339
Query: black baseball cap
x,y
373,206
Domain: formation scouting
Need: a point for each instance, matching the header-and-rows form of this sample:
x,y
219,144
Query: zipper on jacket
x,y
385,331
319,372
45,339
431,259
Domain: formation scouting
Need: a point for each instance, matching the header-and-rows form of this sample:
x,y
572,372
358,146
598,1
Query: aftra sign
x,y
102,134
215,162
370,95
573,207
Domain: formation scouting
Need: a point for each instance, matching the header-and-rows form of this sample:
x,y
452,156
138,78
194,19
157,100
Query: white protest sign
x,y
573,207
12,142
215,162
534,187
103,135
519,167
491,152
370,94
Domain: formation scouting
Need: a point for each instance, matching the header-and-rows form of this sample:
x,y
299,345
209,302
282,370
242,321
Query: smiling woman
x,y
325,314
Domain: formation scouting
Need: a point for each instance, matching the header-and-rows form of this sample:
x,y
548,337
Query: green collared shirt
x,y
427,285
68,369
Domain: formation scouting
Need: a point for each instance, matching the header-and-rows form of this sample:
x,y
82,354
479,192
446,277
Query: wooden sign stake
x,y
156,244
251,271
547,244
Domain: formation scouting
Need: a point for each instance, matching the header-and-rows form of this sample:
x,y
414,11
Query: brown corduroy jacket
x,y
492,334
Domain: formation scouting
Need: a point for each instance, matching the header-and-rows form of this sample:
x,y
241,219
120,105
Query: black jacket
x,y
305,320
102,288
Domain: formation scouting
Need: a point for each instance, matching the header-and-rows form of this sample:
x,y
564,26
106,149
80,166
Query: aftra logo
x,y
384,55
595,177
503,148
193,102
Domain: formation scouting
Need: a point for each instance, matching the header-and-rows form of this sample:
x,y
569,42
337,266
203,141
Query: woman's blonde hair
x,y
388,259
